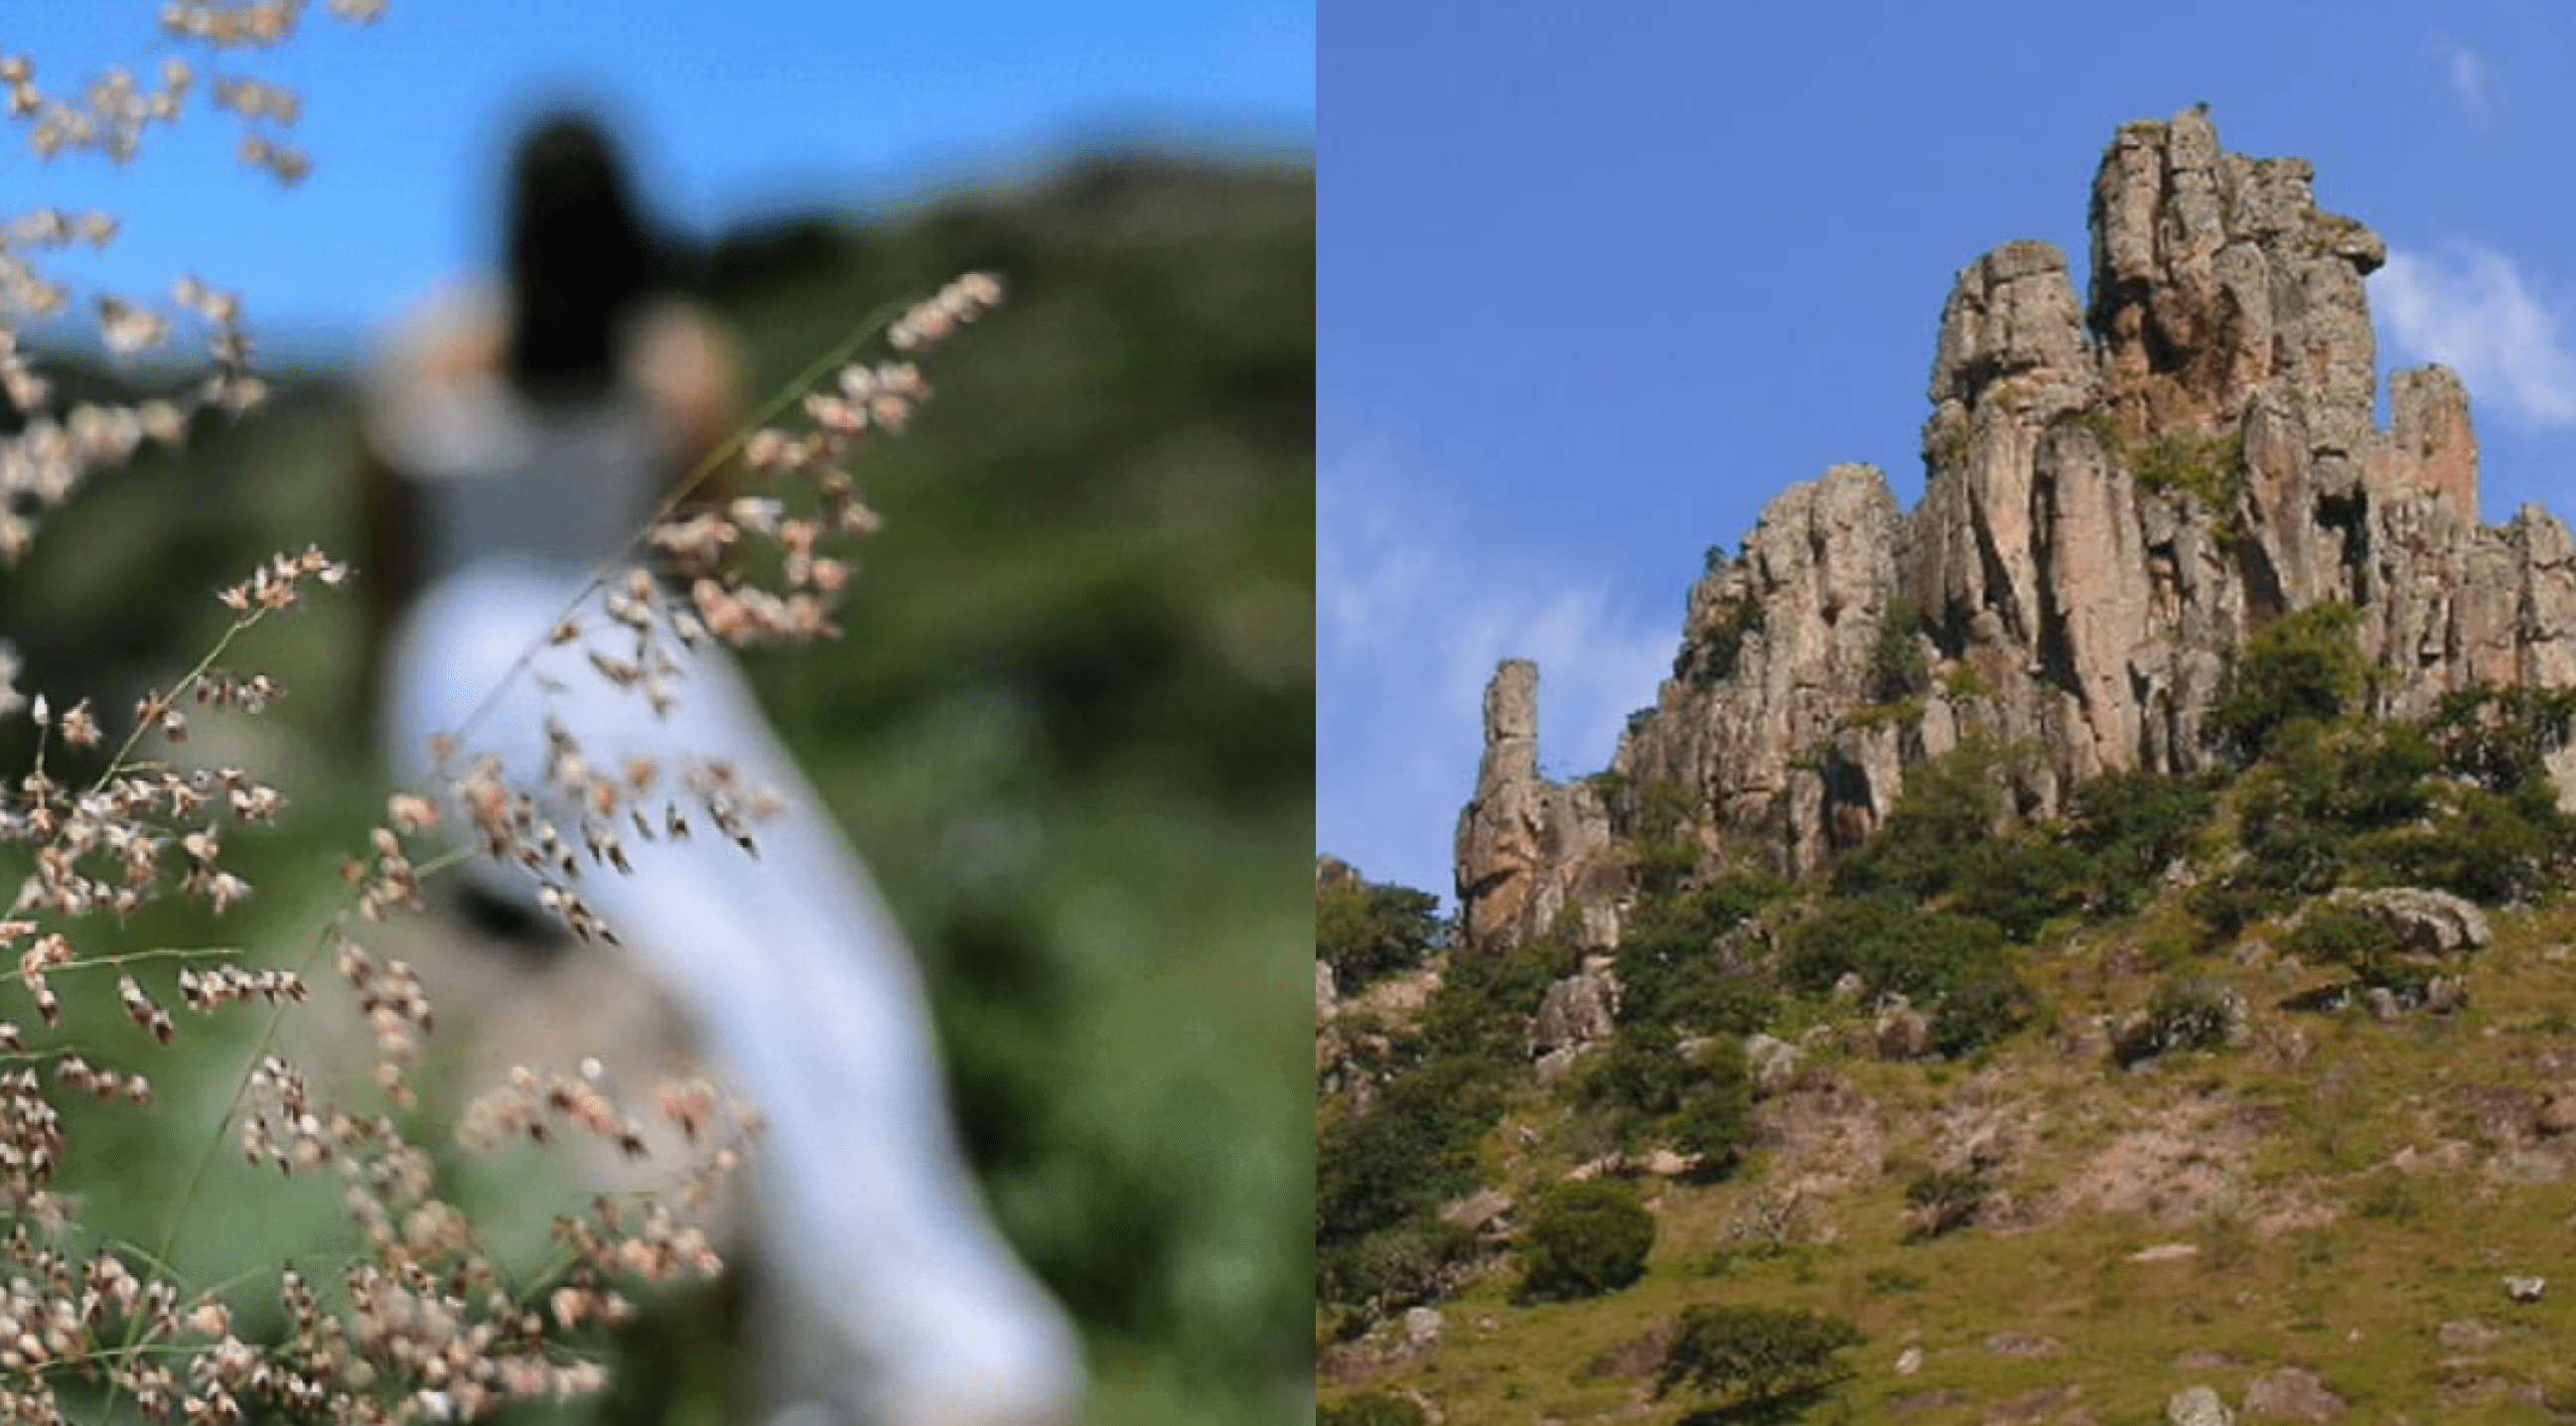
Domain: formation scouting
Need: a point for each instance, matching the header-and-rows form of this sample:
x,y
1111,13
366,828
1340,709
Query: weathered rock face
x,y
2433,923
1779,647
2119,491
1525,843
1576,1011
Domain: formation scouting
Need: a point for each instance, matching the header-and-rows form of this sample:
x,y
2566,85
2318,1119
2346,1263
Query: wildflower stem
x,y
714,460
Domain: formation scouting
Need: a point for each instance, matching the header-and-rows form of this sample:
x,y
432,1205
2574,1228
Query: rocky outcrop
x,y
1527,844
2119,490
2295,1394
1778,648
2422,922
2198,1406
1577,1011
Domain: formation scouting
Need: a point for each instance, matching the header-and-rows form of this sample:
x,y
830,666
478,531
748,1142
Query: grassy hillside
x,y
1071,727
2224,1130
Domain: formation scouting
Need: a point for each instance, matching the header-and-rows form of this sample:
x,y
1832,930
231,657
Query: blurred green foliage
x,y
1071,727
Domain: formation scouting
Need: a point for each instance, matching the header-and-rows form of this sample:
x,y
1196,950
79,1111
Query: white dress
x,y
907,1307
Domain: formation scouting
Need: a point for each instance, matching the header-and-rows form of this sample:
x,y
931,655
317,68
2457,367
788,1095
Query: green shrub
x,y
1641,1074
1482,1008
2022,883
1765,1359
1892,945
2208,466
1715,1121
1412,1148
2192,1014
1980,1011
1944,1202
2132,825
2458,805
2229,905
1898,670
1365,930
1584,1239
2303,671
2326,810
1369,1408
1669,969
1396,1268
1951,806
2502,738
2482,845
1700,1104
2365,945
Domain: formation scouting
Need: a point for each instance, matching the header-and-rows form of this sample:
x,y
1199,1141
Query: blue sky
x,y
737,107
1596,284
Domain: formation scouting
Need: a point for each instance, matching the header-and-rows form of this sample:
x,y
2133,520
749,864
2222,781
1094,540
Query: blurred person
x,y
517,437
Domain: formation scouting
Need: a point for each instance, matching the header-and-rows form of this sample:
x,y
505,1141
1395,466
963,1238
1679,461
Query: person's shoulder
x,y
455,335
677,341
438,364
680,354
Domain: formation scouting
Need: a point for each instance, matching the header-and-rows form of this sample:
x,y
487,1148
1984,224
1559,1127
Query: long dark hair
x,y
580,257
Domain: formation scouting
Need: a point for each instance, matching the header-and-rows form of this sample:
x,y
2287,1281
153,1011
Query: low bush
x,y
2365,945
2132,825
1482,1008
1715,1122
2021,883
1412,1148
1766,1360
2302,673
1584,1239
1365,930
1414,1262
2190,1014
1892,945
1369,1408
1951,807
1943,1203
1639,1076
1672,971
1981,1011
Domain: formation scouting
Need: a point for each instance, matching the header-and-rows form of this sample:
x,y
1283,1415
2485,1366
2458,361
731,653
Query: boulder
x,y
2197,1406
2425,922
1774,1063
2294,1393
1579,1010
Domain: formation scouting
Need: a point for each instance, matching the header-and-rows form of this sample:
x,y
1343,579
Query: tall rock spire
x,y
1525,843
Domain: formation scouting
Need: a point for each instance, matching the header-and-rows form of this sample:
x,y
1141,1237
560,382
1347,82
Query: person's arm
x,y
452,339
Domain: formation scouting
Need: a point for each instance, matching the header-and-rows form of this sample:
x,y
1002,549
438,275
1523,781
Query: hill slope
x,y
2098,936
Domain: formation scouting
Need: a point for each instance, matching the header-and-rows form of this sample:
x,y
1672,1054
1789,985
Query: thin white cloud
x,y
2469,308
2467,74
1412,620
